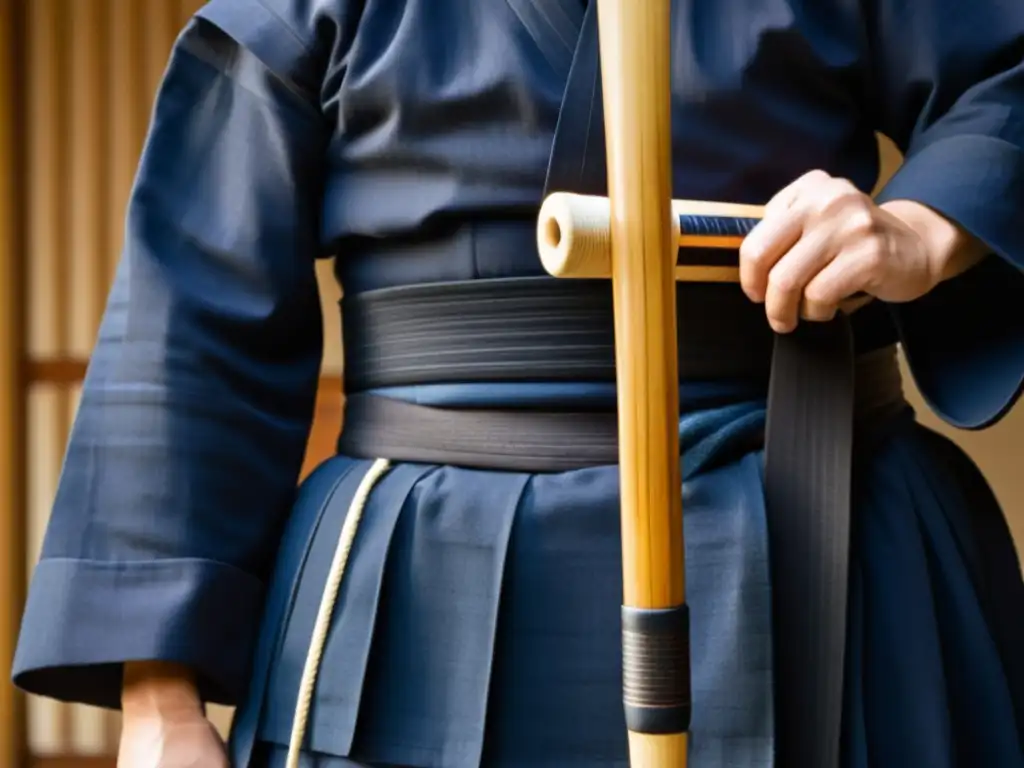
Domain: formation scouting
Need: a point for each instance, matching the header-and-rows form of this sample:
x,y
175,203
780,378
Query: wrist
x,y
949,249
161,690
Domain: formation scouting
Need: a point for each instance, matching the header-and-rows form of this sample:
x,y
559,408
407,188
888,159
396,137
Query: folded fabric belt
x,y
540,440
541,329
534,329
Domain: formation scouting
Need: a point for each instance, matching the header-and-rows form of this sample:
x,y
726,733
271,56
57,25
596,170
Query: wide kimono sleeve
x,y
948,88
185,453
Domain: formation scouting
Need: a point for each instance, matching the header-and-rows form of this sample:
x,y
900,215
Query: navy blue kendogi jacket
x,y
371,131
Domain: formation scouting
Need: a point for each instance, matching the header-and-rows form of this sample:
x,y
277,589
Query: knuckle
x,y
861,221
874,251
807,186
750,252
783,282
816,176
842,197
842,194
827,203
780,202
754,260
845,186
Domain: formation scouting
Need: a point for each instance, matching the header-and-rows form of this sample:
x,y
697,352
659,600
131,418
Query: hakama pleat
x,y
936,625
478,624
495,639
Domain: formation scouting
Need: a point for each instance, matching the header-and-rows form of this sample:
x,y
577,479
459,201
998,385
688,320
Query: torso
x,y
444,113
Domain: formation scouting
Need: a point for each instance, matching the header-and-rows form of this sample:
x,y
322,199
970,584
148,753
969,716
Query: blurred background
x,y
76,87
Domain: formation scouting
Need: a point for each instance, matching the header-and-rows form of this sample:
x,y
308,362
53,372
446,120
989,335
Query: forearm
x,y
164,690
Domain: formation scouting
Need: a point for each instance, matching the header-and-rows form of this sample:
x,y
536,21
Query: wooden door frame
x,y
12,382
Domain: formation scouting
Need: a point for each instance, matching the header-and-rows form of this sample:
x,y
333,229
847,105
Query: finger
x,y
788,195
793,273
773,236
777,232
855,302
815,312
843,284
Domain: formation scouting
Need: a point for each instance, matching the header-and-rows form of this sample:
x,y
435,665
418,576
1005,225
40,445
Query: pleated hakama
x,y
478,623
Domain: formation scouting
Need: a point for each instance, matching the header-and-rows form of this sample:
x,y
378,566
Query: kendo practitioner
x,y
477,623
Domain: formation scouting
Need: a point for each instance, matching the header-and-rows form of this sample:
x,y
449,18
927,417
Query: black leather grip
x,y
656,669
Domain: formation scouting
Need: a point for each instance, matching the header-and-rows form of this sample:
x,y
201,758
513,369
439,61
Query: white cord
x,y
327,603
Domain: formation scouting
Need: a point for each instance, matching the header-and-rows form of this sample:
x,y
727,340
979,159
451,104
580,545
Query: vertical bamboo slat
x,y
44,443
160,28
125,116
47,116
186,8
46,248
85,134
11,425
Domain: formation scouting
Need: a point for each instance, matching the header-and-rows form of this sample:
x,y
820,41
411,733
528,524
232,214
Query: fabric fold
x,y
964,341
314,494
336,700
555,27
269,38
435,641
924,702
190,611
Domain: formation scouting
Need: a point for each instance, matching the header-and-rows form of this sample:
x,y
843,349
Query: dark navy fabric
x,y
456,583
478,624
935,610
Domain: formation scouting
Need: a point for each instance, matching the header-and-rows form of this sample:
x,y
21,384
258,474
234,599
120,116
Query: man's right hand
x,y
163,723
